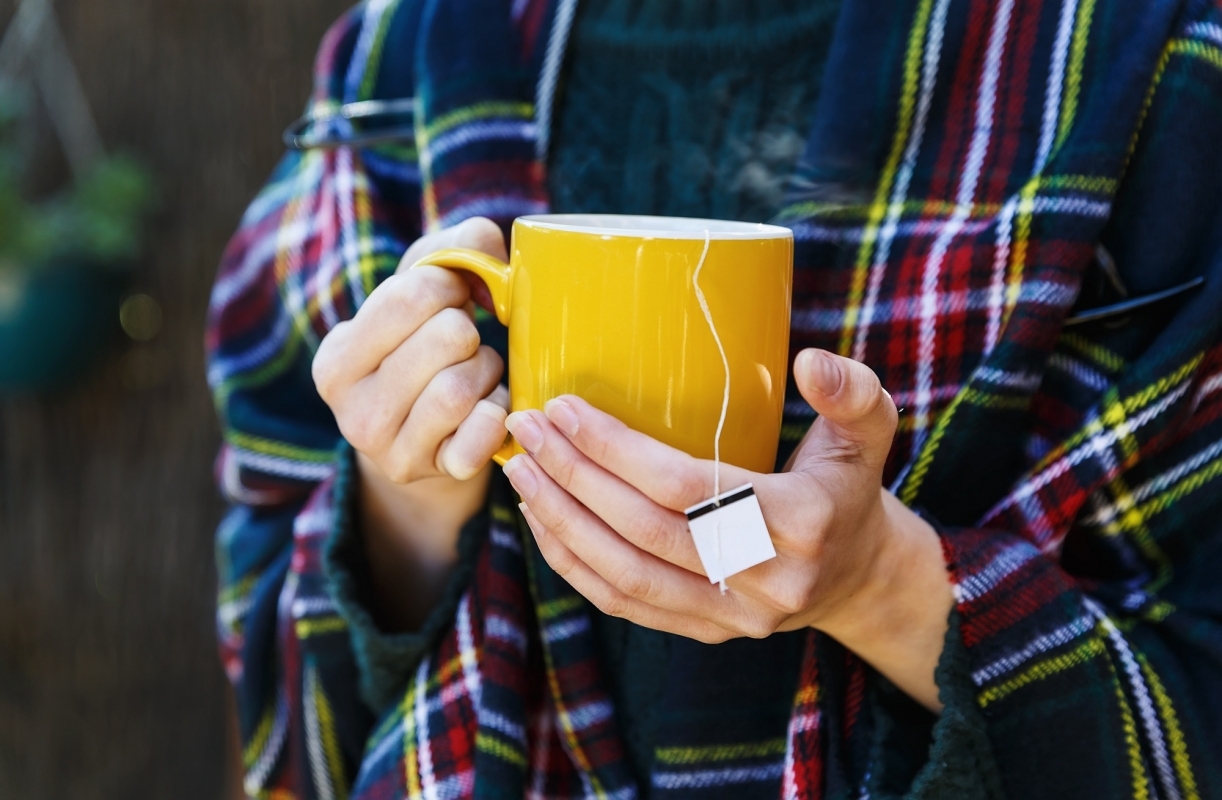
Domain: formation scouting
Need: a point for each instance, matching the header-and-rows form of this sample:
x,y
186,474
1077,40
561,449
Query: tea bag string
x,y
725,396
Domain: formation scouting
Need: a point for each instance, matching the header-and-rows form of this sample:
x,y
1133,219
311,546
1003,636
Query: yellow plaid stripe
x,y
1088,650
722,752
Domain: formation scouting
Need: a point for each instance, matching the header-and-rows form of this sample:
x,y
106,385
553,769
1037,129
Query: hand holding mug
x,y
606,504
411,387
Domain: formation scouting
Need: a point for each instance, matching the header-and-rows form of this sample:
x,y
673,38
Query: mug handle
x,y
498,277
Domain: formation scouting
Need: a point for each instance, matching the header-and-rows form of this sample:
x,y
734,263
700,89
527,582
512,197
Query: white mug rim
x,y
653,227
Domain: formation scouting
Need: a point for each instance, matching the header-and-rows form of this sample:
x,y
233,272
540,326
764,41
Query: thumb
x,y
857,417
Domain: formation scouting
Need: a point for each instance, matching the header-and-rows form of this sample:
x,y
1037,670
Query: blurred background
x,y
109,681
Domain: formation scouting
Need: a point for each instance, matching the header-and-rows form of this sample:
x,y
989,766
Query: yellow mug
x,y
605,307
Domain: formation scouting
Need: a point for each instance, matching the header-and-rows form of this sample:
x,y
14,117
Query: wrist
x,y
410,534
897,619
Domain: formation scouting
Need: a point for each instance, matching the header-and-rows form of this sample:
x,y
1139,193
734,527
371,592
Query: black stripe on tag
x,y
714,504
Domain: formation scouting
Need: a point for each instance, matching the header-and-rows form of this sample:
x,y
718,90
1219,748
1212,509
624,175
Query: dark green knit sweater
x,y
695,108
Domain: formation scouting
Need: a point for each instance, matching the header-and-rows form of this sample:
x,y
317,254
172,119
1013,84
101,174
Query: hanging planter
x,y
64,260
52,324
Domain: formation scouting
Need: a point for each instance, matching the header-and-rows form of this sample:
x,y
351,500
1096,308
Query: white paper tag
x,y
730,533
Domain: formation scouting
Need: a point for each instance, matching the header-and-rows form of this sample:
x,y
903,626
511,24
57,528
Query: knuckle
x,y
562,465
419,249
866,393
614,605
481,233
423,292
492,361
362,431
758,628
634,583
454,394
323,371
459,332
871,397
683,487
792,598
712,636
562,562
326,367
396,464
401,296
400,472
650,533
806,548
559,525
597,446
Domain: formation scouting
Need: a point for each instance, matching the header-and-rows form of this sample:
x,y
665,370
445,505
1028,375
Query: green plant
x,y
97,220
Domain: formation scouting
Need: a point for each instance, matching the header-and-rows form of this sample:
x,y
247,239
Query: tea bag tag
x,y
730,533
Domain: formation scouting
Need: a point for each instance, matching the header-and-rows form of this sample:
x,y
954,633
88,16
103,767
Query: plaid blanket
x,y
977,171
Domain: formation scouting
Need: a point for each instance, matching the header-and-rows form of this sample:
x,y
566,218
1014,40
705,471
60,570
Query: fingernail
x,y
521,476
821,370
562,416
524,429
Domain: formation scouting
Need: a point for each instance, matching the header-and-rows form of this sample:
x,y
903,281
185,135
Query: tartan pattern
x,y
1071,473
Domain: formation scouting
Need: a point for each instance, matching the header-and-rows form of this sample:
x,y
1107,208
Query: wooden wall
x,y
109,681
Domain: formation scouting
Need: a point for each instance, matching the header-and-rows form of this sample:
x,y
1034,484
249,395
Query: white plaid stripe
x,y
501,629
485,130
319,770
584,716
798,723
420,715
1004,563
499,722
727,776
1041,644
1145,706
347,181
958,301
283,467
565,628
1098,446
1107,512
1056,78
262,249
986,95
292,289
997,282
330,264
505,538
1207,31
1069,205
304,607
899,192
468,656
256,776
224,368
1208,386
369,28
1079,371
